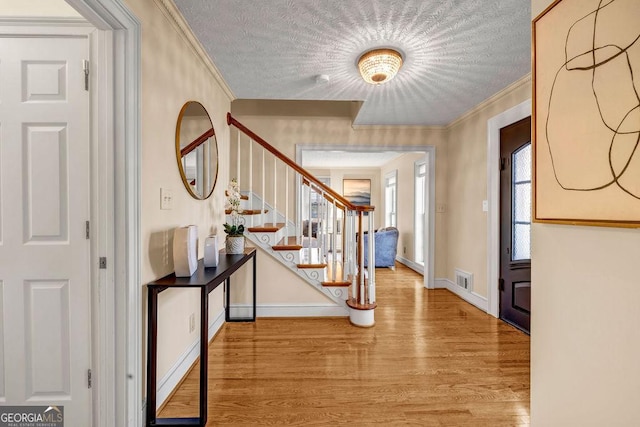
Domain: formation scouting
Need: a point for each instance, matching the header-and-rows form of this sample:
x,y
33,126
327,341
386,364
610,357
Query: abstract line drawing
x,y
588,118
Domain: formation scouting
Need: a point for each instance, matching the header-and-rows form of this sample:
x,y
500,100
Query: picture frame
x,y
357,191
586,114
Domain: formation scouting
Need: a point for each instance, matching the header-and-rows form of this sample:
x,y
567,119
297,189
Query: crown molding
x,y
487,102
169,9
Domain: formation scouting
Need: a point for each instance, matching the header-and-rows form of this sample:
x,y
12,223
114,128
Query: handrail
x,y
307,175
197,142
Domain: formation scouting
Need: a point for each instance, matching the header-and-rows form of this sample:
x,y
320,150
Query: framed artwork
x,y
586,121
357,191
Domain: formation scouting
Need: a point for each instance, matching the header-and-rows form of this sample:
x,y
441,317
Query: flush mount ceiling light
x,y
379,65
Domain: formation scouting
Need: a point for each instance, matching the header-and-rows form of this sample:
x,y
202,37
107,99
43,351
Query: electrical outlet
x,y
192,322
441,208
166,199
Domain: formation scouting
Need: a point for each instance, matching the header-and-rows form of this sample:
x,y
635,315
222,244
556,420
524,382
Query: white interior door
x,y
45,293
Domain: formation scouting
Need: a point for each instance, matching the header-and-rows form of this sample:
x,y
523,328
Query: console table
x,y
206,279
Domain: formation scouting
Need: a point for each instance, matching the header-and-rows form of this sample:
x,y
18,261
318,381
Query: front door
x,y
515,224
45,293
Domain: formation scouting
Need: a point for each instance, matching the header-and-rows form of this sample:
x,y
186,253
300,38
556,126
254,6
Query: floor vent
x,y
464,279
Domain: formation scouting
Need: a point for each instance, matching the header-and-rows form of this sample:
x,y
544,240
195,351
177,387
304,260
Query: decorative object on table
x,y
586,153
357,191
211,254
234,243
185,250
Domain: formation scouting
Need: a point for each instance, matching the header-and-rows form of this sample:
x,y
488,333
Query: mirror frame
x,y
183,174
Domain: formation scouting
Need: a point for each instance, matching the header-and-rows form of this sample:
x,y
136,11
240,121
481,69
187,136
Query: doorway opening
x,y
308,155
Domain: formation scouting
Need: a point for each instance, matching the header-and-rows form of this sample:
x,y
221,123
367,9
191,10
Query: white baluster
x,y
286,204
275,190
238,162
263,185
309,225
251,180
300,190
334,249
372,263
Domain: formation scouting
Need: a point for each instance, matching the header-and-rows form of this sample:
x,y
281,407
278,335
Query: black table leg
x,y
204,353
152,353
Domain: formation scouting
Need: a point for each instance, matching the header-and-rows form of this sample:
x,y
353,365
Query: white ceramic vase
x,y
185,250
234,244
211,251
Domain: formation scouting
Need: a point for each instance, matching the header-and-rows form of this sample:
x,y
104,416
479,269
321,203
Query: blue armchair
x,y
386,247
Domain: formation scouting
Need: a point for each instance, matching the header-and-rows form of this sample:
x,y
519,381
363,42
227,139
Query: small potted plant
x,y
234,243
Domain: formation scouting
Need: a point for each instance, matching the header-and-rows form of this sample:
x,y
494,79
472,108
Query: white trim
x,y
489,101
494,125
123,180
470,297
430,150
176,373
289,310
418,268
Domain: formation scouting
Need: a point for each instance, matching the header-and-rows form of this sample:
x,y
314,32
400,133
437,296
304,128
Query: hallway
x,y
431,360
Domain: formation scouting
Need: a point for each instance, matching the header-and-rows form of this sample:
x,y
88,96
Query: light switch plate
x,y
166,199
485,206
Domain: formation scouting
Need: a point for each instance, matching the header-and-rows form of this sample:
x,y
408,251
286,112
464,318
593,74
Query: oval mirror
x,y
196,150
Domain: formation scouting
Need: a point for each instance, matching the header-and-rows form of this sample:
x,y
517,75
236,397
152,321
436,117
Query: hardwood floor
x,y
430,360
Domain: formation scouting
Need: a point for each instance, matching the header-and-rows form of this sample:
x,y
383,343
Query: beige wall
x,y
585,342
467,186
171,75
39,8
404,165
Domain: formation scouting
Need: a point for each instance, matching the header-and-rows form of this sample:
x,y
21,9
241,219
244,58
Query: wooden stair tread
x,y
248,211
351,302
267,228
337,283
286,247
311,265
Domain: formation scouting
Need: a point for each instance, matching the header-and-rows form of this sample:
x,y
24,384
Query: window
x,y
521,204
316,198
391,199
420,209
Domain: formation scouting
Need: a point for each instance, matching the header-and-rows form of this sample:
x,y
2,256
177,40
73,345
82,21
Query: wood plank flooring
x,y
431,360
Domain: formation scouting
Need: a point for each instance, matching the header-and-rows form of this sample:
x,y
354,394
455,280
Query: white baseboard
x,y
173,377
470,297
290,310
412,265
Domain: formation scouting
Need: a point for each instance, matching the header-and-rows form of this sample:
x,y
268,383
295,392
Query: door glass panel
x,y
521,203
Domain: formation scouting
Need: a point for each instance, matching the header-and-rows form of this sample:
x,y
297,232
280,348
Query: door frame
x,y
494,125
118,104
430,197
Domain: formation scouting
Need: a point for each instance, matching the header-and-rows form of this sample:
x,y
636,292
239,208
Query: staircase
x,y
304,224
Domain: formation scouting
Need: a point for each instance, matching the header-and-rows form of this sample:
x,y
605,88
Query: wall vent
x,y
464,279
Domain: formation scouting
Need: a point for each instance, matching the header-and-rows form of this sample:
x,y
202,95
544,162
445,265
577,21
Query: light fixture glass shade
x,y
379,65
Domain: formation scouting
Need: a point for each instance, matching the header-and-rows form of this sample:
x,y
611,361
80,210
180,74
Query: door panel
x,y
44,203
515,224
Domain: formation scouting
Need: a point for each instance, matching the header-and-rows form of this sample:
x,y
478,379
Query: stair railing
x,y
336,219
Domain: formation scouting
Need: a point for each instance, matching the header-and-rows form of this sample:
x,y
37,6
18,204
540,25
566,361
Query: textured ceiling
x,y
457,52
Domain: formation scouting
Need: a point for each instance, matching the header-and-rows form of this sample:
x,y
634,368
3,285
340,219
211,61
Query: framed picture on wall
x,y
586,128
357,191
